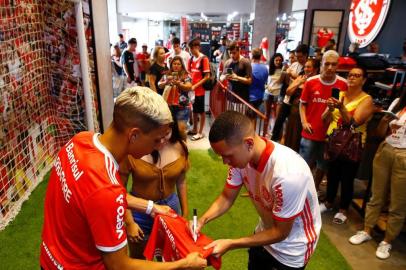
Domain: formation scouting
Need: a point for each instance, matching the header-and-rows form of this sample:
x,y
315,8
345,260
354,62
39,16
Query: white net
x,y
41,100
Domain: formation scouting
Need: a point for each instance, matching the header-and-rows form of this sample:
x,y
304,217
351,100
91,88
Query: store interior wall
x,y
327,5
393,32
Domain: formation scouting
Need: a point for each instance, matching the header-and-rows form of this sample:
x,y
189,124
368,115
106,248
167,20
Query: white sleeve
x,y
393,104
234,178
290,195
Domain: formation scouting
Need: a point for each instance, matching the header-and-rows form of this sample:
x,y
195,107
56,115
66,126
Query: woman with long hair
x,y
161,178
157,70
388,180
294,125
273,88
177,84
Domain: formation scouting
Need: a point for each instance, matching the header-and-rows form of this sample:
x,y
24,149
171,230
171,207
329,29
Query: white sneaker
x,y
383,250
360,238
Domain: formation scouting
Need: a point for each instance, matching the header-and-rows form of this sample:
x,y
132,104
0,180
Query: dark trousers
x,y
260,259
282,115
344,172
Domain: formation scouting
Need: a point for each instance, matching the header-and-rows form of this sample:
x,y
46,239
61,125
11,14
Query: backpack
x,y
211,82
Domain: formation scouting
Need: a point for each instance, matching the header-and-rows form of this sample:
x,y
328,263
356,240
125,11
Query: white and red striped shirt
x,y
282,189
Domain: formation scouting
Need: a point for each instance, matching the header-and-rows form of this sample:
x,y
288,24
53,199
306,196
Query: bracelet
x,y
149,207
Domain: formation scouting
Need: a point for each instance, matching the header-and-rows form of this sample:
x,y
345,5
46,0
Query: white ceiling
x,y
186,6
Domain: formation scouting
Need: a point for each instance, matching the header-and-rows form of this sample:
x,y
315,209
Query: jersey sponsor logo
x,y
278,202
366,20
171,238
317,92
73,162
319,100
67,193
120,216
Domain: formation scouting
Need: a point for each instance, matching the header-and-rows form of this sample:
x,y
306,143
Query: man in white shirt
x,y
281,188
177,51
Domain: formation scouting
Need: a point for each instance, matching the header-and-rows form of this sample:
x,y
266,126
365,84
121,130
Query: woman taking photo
x,y
354,108
388,180
294,125
176,85
273,88
158,69
161,178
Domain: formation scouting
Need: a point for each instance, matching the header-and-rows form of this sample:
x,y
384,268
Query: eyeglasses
x,y
355,75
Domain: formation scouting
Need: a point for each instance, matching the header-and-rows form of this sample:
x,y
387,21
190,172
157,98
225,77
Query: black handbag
x,y
344,143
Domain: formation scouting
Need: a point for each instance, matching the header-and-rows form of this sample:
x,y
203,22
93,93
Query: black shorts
x,y
260,259
198,106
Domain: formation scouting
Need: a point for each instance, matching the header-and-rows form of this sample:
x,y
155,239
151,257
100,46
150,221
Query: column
x,y
266,12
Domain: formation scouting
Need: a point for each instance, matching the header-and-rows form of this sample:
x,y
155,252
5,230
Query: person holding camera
x,y
177,84
313,102
238,72
354,107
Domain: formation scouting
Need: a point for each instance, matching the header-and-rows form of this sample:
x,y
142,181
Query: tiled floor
x,y
359,257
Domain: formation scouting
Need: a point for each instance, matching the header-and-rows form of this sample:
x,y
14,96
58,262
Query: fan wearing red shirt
x,y
313,101
85,203
199,68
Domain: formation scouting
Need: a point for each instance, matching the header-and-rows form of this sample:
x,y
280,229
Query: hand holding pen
x,y
194,225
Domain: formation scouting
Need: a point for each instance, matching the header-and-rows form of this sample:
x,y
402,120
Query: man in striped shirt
x,y
280,185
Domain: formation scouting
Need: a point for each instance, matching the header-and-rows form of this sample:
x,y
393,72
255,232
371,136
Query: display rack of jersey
x,y
323,36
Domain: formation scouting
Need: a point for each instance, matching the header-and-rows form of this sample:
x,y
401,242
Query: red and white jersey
x,y
315,95
282,189
197,71
84,207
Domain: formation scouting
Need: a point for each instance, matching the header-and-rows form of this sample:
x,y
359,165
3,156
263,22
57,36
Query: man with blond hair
x,y
313,102
85,202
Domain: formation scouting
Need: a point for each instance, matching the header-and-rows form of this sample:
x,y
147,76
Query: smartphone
x,y
229,71
175,75
335,93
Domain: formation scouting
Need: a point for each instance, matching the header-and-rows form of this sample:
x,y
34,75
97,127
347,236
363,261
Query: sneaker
x,y
383,250
360,238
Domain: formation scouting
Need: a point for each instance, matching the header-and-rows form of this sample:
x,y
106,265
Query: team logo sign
x,y
366,20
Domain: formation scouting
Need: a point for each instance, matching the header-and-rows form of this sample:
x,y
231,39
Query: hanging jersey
x,y
84,207
282,189
170,238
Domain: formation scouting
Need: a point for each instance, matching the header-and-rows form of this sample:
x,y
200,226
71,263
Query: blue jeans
x,y
181,113
313,152
145,221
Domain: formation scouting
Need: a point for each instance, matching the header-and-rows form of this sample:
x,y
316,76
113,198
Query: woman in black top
x,y
158,69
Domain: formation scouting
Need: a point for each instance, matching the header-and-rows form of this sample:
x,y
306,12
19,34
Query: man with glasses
x,y
313,101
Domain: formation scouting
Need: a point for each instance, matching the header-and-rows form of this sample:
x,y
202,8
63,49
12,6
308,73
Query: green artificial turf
x,y
20,241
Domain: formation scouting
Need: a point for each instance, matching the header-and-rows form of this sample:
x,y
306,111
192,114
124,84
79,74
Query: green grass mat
x,y
20,241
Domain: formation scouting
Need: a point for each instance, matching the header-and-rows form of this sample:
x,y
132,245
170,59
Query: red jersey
x,y
323,37
84,207
315,94
197,71
170,238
